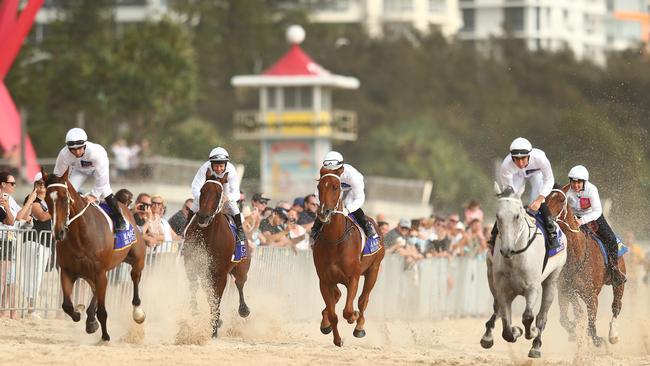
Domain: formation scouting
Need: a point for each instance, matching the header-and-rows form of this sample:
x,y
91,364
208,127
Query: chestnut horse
x,y
208,237
337,257
584,273
84,245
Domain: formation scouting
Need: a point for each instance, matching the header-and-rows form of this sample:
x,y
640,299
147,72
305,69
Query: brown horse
x,y
584,274
84,245
209,238
337,257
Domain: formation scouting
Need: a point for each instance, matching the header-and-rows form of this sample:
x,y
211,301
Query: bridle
x,y
339,202
69,220
524,214
562,215
219,205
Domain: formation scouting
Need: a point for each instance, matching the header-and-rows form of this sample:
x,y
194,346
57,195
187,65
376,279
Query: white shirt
x,y
352,182
231,189
586,203
516,178
94,162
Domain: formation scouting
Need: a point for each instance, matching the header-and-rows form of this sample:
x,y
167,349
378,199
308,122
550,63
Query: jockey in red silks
x,y
86,159
354,196
584,200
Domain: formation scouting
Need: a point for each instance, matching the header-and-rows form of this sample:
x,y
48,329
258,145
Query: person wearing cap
x,y
86,159
526,164
298,204
584,199
277,231
219,164
354,196
400,231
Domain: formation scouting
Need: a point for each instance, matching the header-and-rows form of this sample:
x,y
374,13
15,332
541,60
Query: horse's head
x,y
210,201
557,202
58,200
509,215
329,193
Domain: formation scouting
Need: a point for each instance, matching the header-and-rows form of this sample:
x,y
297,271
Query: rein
x,y
219,205
564,211
339,204
531,239
68,219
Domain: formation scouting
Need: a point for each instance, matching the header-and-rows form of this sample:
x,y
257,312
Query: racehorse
x,y
208,236
516,268
584,274
84,245
338,259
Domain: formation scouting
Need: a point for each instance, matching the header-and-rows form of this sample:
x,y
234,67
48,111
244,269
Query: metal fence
x,y
430,288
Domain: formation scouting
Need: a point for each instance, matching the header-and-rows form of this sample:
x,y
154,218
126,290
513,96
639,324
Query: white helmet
x,y
520,147
76,137
579,172
333,160
219,155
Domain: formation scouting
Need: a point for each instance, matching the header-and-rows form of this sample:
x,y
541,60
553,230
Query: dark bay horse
x,y
84,245
584,273
337,257
209,246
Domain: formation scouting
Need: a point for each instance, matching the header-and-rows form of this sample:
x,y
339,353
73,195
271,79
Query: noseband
x,y
68,219
219,205
338,202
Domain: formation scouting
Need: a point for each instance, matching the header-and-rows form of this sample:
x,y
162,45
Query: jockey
x,y
219,163
86,159
584,200
527,164
353,194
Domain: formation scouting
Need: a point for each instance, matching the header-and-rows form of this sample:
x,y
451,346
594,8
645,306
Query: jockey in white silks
x,y
526,164
219,163
354,195
583,198
86,159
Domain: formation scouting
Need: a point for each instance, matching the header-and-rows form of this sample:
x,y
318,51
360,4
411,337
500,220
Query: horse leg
x,y
368,284
592,310
136,275
240,280
487,341
510,333
563,302
329,295
101,284
549,286
219,284
67,282
616,310
528,317
325,325
348,311
91,321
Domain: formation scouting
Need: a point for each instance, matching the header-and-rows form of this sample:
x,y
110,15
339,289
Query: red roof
x,y
295,62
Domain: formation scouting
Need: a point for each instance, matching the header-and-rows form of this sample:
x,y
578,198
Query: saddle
x,y
122,239
371,246
591,230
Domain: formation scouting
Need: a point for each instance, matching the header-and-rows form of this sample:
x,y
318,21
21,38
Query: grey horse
x,y
515,268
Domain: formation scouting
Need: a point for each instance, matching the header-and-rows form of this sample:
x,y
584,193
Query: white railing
x,y
431,288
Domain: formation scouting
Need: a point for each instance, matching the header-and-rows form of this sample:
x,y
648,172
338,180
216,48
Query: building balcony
x,y
255,125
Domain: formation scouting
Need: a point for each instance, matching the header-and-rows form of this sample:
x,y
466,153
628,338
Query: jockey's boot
x,y
315,229
618,277
368,227
240,241
116,214
549,225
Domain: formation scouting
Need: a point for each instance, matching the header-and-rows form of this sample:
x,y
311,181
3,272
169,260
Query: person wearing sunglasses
x,y
86,159
8,186
584,199
526,164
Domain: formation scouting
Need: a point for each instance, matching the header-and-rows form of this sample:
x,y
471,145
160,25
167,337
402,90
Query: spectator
x,y
158,228
297,233
177,222
241,201
383,228
439,242
400,231
455,229
8,185
408,248
142,208
298,204
124,196
473,242
260,202
284,204
473,211
122,158
252,220
308,215
380,217
7,247
278,231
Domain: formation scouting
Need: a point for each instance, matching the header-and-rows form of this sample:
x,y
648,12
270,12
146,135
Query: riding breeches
x,y
229,207
77,178
607,235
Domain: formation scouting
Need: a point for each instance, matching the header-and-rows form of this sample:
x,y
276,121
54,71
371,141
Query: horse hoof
x,y
338,343
485,343
92,327
76,316
244,311
613,340
106,337
326,330
138,315
532,334
534,353
359,333
517,332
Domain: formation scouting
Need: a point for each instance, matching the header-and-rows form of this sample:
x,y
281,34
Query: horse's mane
x,y
52,178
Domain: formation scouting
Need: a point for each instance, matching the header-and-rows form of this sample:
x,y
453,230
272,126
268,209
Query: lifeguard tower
x,y
296,122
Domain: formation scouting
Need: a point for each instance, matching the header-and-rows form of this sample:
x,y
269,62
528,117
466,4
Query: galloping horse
x,y
584,274
209,237
337,257
516,268
84,245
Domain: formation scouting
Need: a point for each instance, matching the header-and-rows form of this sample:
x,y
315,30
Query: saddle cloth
x,y
539,221
622,248
123,239
371,246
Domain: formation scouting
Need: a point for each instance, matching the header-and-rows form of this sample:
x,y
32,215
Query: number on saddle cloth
x,y
539,221
371,245
124,238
